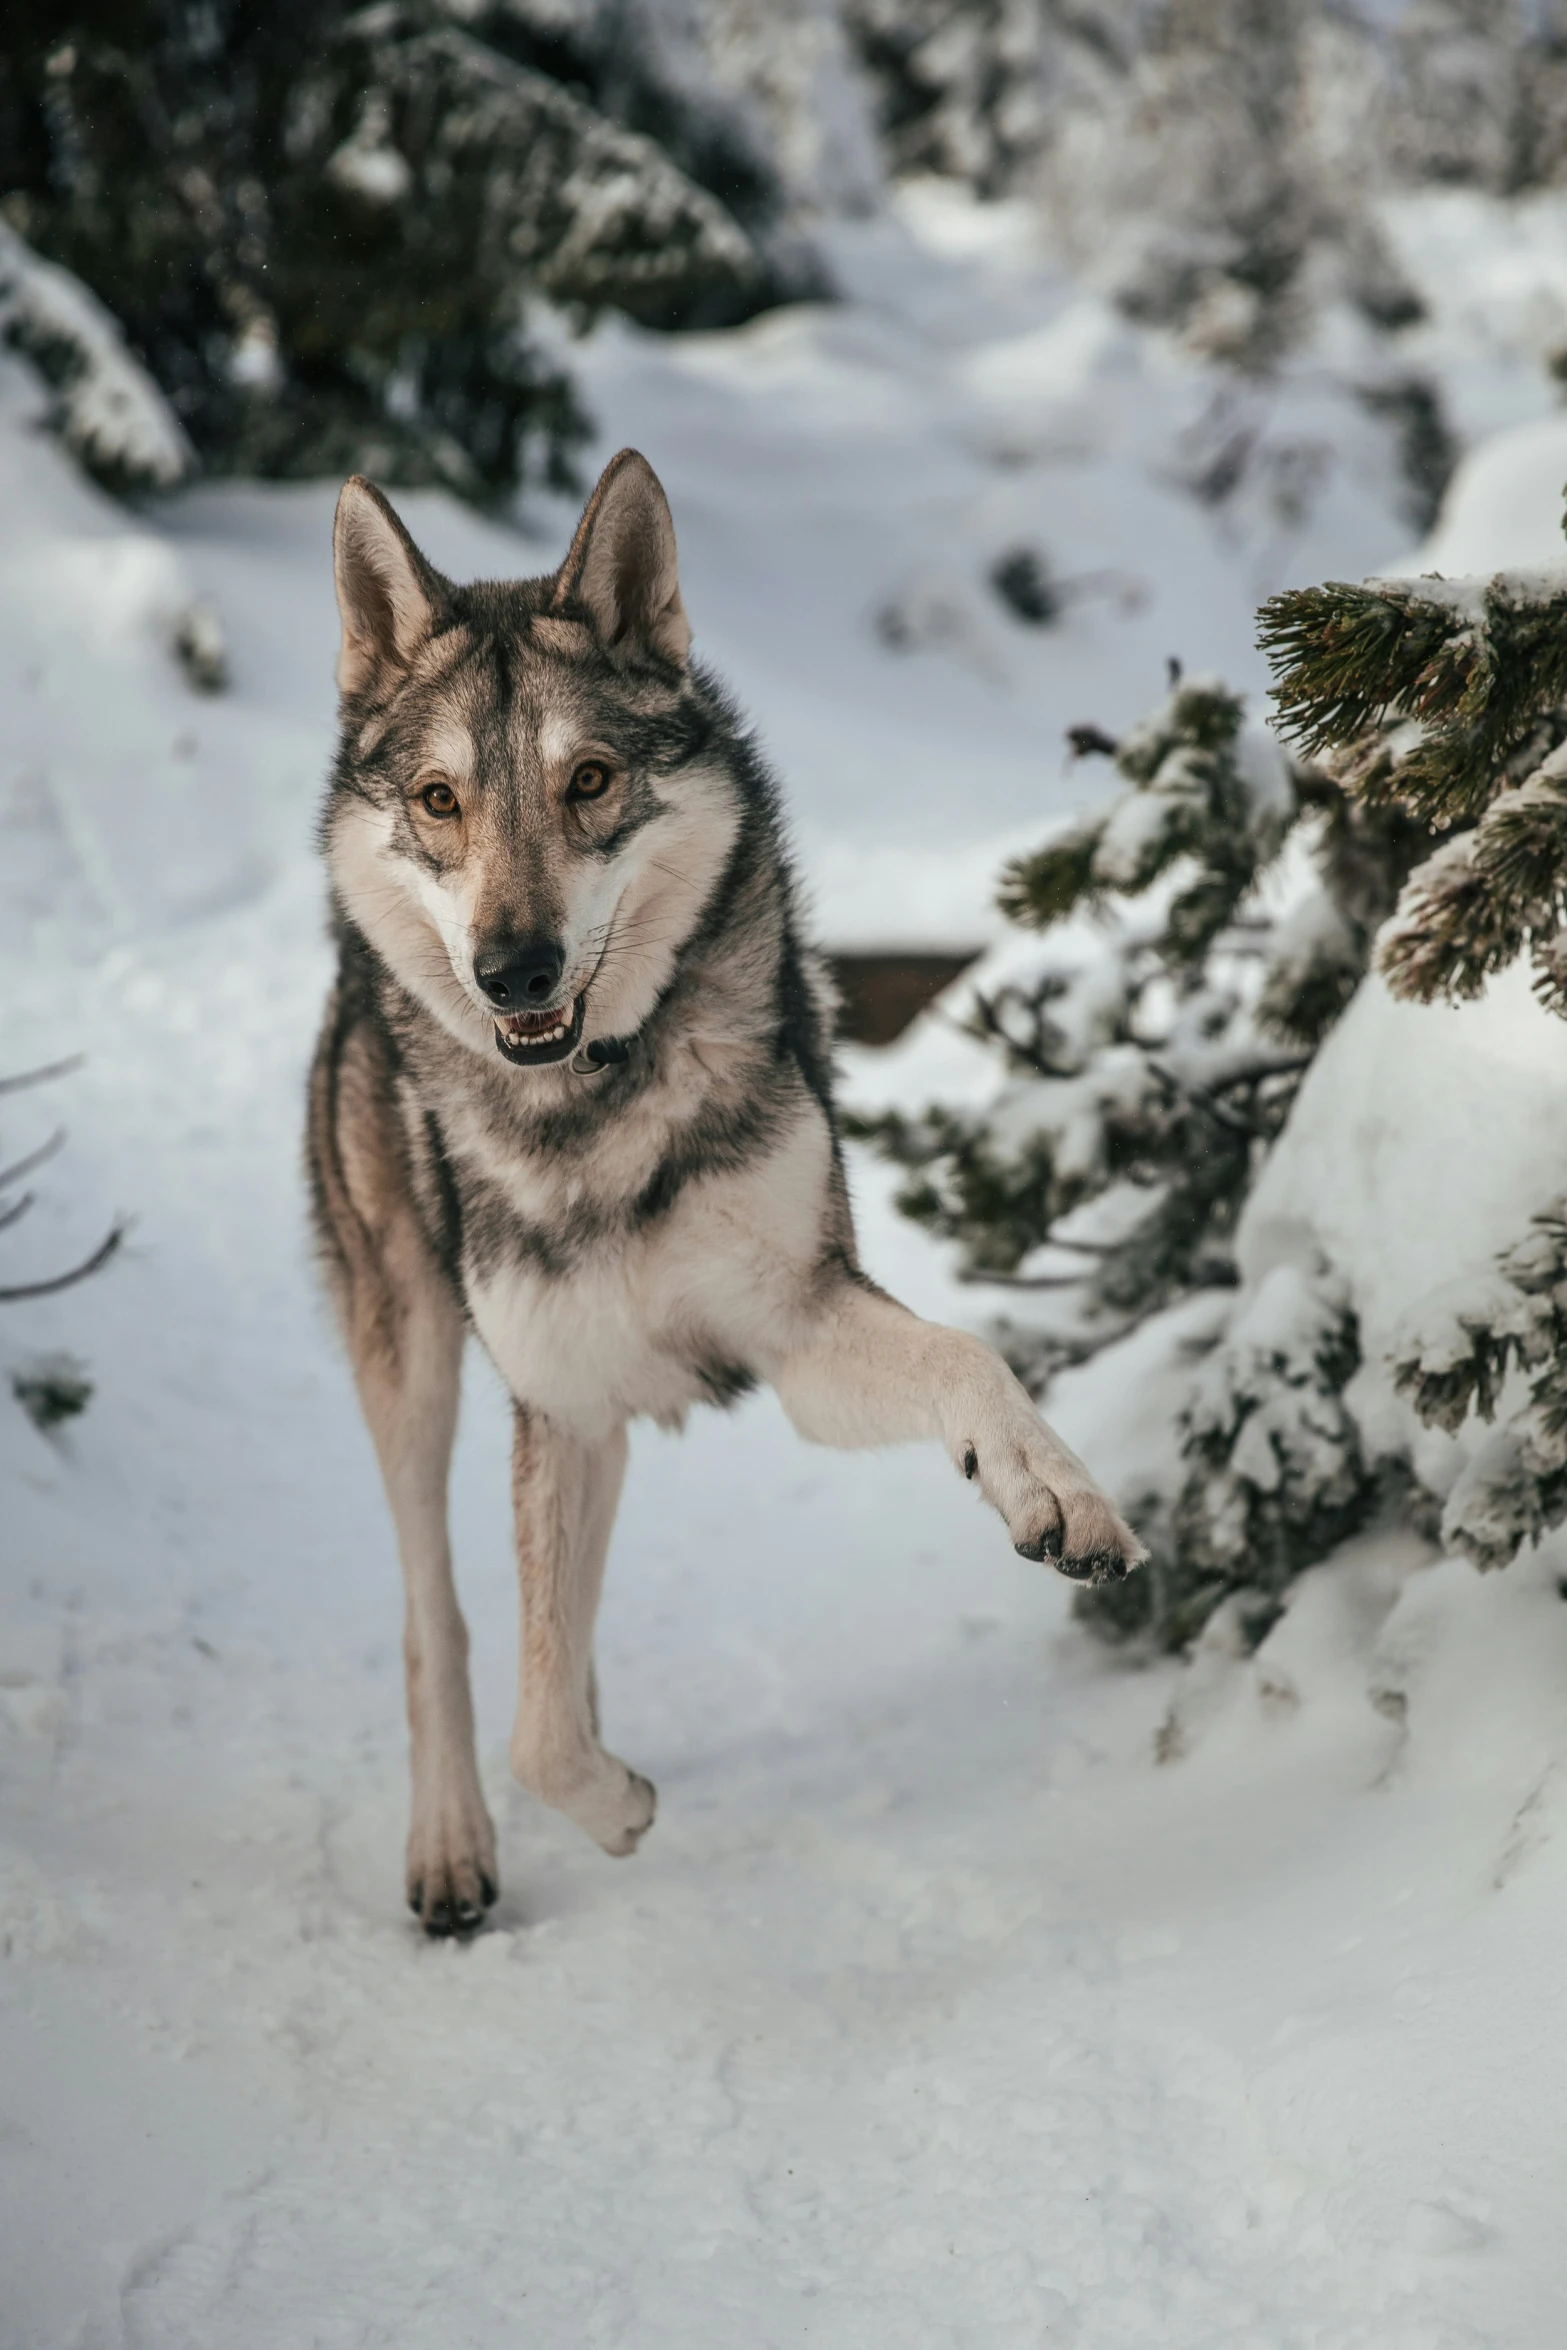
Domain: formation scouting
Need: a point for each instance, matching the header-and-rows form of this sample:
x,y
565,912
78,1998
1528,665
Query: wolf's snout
x,y
520,978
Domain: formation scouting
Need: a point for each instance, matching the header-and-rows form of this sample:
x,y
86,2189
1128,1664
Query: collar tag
x,y
591,1060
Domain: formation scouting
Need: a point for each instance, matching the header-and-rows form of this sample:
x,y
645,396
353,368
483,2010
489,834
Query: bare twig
x,y
40,1076
1208,1097
1265,1065
45,1150
984,1017
107,1247
17,1209
1014,1280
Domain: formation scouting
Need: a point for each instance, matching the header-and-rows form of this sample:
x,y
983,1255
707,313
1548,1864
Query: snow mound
x,y
1503,508
1424,1139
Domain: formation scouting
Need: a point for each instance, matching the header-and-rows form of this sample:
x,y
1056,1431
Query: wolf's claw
x,y
1043,1546
1103,1566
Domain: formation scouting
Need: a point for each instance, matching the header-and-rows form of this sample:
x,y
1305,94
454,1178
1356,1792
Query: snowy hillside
x,y
936,2012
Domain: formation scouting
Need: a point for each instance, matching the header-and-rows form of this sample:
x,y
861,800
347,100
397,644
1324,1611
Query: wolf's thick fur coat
x,y
632,1190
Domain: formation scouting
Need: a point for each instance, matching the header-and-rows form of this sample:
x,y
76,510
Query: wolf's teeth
x,y
512,1032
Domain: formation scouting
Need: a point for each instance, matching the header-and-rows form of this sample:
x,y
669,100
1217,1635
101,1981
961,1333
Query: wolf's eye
x,y
439,799
590,781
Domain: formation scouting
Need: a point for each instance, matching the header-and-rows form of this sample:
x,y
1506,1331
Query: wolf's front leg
x,y
564,1494
404,1329
451,1873
865,1371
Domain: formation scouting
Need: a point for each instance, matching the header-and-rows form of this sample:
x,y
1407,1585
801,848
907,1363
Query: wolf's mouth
x,y
531,1039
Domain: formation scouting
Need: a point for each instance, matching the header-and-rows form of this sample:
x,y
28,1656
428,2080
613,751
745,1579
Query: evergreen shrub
x,y
1150,1059
318,227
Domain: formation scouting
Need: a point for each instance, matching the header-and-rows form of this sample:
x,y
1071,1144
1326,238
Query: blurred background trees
x,y
325,232
320,228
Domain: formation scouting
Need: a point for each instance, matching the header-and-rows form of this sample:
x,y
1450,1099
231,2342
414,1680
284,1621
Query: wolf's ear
x,y
621,567
387,594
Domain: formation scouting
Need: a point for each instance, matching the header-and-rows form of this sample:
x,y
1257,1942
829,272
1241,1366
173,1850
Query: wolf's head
x,y
531,805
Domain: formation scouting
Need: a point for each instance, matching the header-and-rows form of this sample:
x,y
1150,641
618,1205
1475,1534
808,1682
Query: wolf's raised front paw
x,y
451,1874
1078,1531
1052,1508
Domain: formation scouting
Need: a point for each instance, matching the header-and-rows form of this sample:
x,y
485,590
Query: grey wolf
x,y
573,1094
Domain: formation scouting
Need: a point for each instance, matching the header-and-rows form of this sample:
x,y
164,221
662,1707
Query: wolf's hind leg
x,y
564,1493
405,1336
866,1371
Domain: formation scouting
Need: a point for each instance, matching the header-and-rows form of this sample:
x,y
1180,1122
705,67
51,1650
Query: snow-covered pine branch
x,y
106,407
1202,932
1274,1470
1447,699
533,180
1152,1051
1201,789
1468,1350
324,250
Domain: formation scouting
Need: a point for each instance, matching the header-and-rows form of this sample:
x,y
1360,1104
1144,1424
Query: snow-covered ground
x,y
936,2012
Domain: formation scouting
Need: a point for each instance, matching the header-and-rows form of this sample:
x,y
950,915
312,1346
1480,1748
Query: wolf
x,y
573,1094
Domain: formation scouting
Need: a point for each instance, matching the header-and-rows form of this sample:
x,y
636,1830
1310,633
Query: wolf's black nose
x,y
520,974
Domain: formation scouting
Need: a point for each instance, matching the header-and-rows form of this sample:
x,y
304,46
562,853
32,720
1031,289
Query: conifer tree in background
x,y
1446,700
1158,1041
1152,1066
317,227
1151,1054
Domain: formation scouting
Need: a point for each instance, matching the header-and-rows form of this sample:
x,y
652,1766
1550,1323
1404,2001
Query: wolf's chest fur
x,y
628,1264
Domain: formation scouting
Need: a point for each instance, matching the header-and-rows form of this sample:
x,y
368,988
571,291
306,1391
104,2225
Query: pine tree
x,y
1446,699
105,407
1453,1358
963,86
1436,711
1477,94
1150,1060
318,227
1155,1050
1272,1473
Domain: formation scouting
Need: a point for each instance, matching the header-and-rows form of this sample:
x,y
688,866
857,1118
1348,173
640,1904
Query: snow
x,y
1503,509
936,2012
1424,1139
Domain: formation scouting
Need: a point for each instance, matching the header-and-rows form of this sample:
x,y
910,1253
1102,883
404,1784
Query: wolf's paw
x,y
451,1873
596,1791
1053,1512
1078,1531
620,1814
